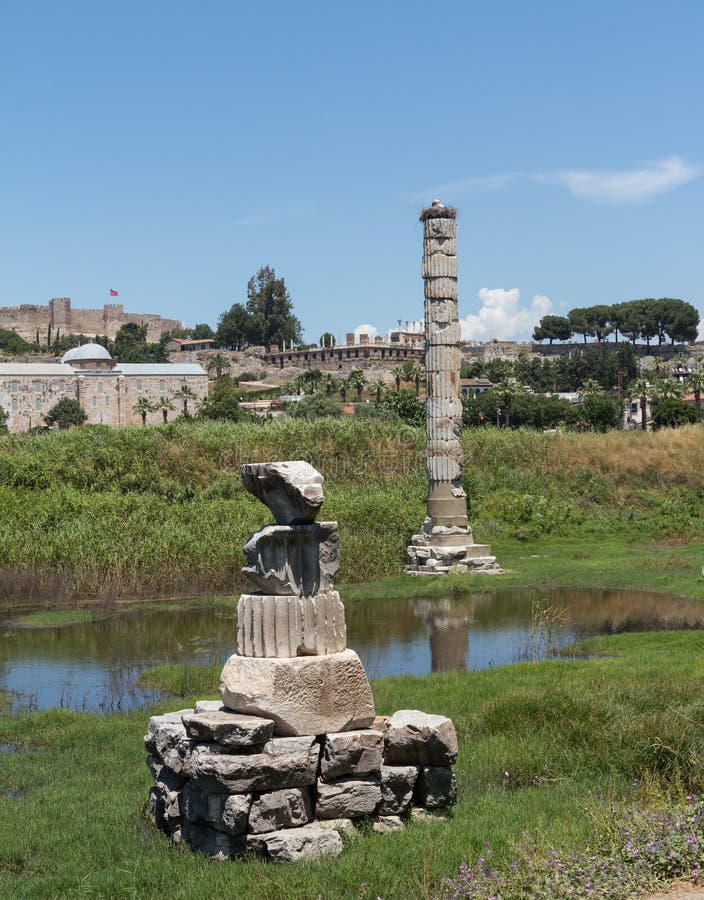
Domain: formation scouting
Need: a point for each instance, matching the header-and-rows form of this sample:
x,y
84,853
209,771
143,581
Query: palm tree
x,y
330,384
641,388
311,378
357,380
164,404
379,386
508,390
343,389
590,387
695,383
667,389
397,372
143,406
417,373
184,394
218,364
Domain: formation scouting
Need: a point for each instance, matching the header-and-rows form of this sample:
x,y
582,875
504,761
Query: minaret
x,y
446,542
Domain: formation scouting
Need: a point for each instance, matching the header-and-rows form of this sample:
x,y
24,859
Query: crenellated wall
x,y
27,319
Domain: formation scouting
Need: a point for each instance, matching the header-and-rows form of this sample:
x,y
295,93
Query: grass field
x,y
553,755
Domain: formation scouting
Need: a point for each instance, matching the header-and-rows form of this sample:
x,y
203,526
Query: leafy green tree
x,y
131,345
65,413
602,411
665,388
223,402
142,407
378,386
310,380
599,321
405,405
315,406
327,339
4,416
508,391
271,309
234,327
553,328
12,343
202,332
677,320
418,374
581,323
218,363
330,384
672,413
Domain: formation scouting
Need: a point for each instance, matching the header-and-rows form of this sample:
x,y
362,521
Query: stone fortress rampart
x,y
58,314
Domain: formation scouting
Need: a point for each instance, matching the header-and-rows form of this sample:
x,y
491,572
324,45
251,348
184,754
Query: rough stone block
x,y
162,772
429,816
166,738
291,844
210,706
388,824
438,265
164,806
283,762
397,783
413,737
446,245
293,490
213,843
436,787
351,753
224,812
348,798
228,728
305,695
436,228
440,288
341,826
283,627
288,808
294,559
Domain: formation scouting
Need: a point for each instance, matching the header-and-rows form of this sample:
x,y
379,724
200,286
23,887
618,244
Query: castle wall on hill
x,y
58,314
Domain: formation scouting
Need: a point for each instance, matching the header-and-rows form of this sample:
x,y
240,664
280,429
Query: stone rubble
x,y
291,798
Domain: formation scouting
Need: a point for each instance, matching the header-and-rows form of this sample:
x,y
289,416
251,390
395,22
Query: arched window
x,y
100,387
15,403
140,384
62,385
95,401
38,404
107,399
37,385
15,386
162,385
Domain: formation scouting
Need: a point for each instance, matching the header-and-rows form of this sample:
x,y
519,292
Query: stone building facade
x,y
107,390
59,315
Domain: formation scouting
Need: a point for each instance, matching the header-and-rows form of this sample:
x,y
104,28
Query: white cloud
x,y
628,185
366,329
501,316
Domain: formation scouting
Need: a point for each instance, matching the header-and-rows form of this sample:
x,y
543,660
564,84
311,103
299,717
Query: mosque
x,y
107,390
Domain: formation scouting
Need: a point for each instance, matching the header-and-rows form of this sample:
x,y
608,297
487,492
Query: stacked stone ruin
x,y
293,756
445,542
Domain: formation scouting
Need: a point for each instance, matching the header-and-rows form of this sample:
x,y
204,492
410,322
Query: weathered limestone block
x,y
414,737
210,706
283,762
440,288
288,808
397,783
442,358
294,559
278,626
164,807
293,490
388,824
444,408
446,245
228,728
442,311
341,826
213,843
351,753
166,737
305,695
440,227
438,265
436,787
444,332
161,772
291,844
224,812
348,798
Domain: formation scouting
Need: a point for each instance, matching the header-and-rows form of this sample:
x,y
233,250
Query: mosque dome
x,y
86,352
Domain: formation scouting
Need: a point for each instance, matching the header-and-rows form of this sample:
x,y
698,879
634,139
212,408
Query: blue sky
x,y
168,150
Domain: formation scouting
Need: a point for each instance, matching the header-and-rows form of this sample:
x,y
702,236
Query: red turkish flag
x,y
113,293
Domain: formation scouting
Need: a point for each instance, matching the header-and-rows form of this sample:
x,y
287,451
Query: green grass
x,y
545,750
58,618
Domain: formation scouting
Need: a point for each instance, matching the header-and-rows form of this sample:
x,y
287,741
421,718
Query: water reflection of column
x,y
449,641
448,632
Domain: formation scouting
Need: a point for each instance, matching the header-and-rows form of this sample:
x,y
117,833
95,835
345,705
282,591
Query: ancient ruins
x,y
294,755
446,543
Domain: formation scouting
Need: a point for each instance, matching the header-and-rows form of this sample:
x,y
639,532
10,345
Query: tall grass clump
x,y
97,513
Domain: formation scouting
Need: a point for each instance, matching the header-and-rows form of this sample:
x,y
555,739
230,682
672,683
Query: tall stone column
x,y
446,542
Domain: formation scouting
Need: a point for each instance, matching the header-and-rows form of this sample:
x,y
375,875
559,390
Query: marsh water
x,y
96,666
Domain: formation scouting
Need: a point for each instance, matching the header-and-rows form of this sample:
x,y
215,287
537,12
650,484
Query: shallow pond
x,y
96,666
